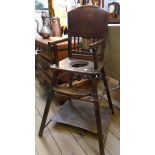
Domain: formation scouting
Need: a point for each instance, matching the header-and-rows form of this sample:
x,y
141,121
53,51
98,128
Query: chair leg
x,y
99,127
70,79
107,90
48,103
97,115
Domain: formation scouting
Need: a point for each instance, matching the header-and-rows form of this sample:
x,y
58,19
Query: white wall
x,y
38,18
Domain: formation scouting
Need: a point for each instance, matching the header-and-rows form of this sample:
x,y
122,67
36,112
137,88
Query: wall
x,y
60,11
112,51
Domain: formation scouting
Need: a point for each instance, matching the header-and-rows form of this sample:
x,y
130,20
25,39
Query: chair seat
x,y
78,66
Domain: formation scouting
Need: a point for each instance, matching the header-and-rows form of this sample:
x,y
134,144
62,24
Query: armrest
x,y
58,41
97,43
53,45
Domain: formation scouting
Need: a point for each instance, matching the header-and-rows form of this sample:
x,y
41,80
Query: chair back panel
x,y
86,25
87,21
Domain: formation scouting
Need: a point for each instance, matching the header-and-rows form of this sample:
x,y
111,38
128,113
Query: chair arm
x,y
53,47
58,41
97,43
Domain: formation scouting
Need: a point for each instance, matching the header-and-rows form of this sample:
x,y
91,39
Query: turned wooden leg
x,y
70,74
97,115
107,90
48,103
43,122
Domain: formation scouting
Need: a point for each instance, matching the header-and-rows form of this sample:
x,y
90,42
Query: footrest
x,y
71,91
81,114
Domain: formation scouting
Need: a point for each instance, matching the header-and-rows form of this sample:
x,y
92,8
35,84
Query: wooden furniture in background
x,y
114,13
114,21
45,57
50,5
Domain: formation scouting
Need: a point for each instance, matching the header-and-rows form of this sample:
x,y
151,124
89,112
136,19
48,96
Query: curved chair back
x,y
86,25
